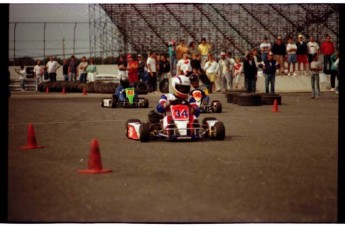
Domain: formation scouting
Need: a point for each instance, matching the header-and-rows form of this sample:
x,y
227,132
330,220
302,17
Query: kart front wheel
x,y
219,131
144,132
217,107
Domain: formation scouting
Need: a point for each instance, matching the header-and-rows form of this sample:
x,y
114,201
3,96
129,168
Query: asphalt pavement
x,y
272,167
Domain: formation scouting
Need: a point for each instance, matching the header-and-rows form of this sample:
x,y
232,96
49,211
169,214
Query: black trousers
x,y
152,82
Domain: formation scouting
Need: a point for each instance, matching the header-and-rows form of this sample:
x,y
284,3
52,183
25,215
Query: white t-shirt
x,y
265,47
152,62
211,67
291,46
313,47
82,67
184,65
52,66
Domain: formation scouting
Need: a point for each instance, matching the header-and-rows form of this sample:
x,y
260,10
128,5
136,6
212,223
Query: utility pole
x,y
63,48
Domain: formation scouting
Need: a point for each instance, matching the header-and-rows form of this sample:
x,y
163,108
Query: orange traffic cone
x,y
63,90
95,162
275,106
47,89
84,91
31,142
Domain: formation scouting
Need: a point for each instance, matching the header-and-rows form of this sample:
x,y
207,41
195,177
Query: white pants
x,y
91,77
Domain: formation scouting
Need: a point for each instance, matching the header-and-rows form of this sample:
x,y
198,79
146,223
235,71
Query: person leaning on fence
x,y
22,76
315,68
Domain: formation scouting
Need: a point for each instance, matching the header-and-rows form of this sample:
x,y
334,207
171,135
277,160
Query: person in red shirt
x,y
327,49
132,68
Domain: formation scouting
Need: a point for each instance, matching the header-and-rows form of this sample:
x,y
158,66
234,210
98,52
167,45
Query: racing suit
x,y
121,94
205,97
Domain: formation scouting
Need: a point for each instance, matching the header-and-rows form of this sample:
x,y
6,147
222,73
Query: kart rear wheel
x,y
144,132
219,131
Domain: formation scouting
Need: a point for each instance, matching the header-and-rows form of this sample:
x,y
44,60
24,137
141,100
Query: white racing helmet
x,y
180,86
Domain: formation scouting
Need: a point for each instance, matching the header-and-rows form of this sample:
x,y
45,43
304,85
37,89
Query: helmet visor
x,y
182,88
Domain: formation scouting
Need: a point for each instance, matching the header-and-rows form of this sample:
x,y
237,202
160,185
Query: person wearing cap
x,y
265,48
184,66
270,67
279,53
291,49
302,55
224,70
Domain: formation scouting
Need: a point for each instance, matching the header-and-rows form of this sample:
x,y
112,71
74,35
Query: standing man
x,y
265,48
224,68
269,68
313,49
184,65
152,72
302,55
52,67
291,49
181,49
212,69
204,48
82,70
279,52
327,49
172,56
250,73
72,69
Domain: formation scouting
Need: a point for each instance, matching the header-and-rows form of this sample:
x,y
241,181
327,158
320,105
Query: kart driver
x,y
194,80
120,90
180,87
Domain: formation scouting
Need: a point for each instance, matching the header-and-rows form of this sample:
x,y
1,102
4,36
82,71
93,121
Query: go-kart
x,y
204,106
131,101
181,126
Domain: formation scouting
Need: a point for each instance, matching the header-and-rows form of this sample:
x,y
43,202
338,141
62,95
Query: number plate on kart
x,y
179,112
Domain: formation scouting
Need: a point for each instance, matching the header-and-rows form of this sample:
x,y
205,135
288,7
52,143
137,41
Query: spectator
x,y
279,52
152,72
141,68
52,67
302,55
91,70
193,49
313,49
336,65
38,72
132,68
327,49
172,56
224,69
334,70
65,70
184,65
181,49
164,68
22,76
315,67
257,57
72,69
205,49
212,69
238,71
269,68
122,65
265,48
291,49
82,70
231,71
250,73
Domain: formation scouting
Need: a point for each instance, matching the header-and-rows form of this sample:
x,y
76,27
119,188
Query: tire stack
x,y
232,96
268,99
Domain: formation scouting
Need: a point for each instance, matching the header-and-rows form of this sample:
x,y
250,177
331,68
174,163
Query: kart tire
x,y
249,99
144,132
216,106
219,131
142,88
268,99
164,86
146,103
